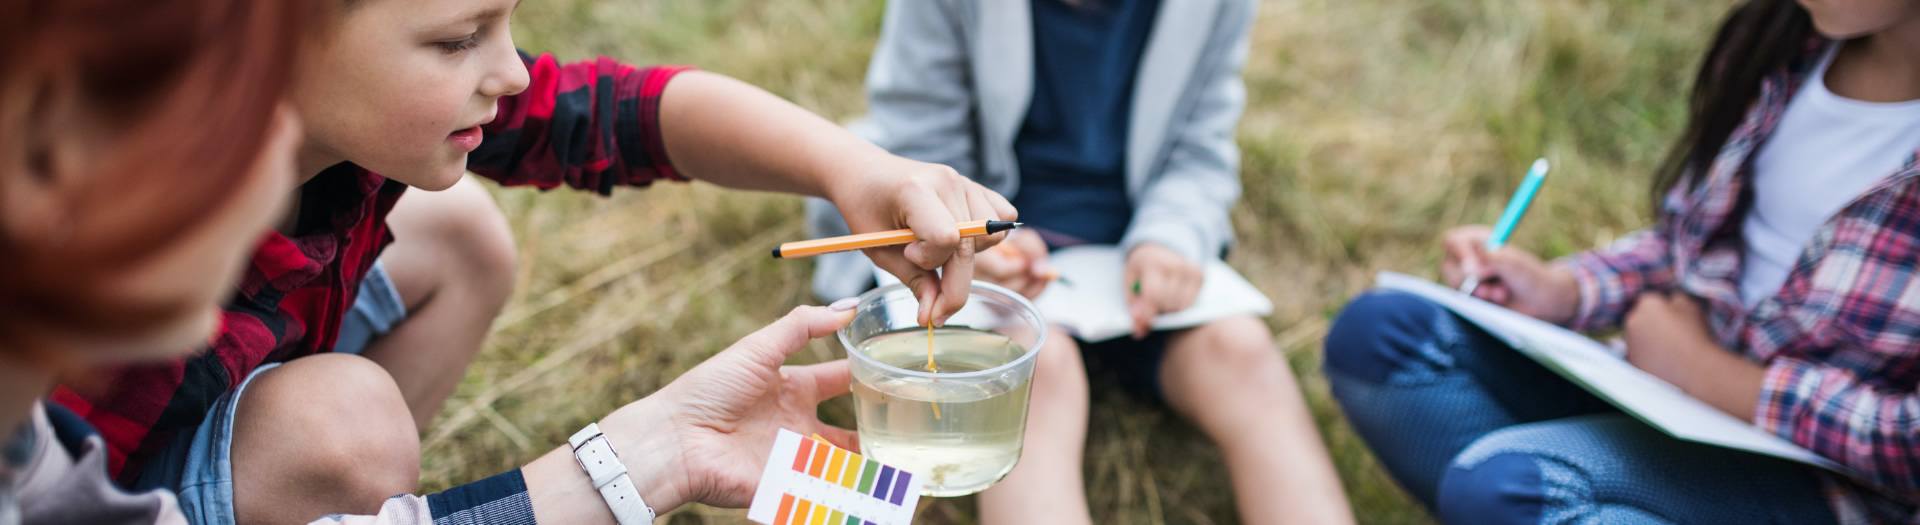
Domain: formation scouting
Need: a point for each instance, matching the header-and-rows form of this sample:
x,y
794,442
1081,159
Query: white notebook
x,y
1600,369
1092,302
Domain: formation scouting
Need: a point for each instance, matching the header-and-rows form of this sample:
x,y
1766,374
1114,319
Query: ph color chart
x,y
810,482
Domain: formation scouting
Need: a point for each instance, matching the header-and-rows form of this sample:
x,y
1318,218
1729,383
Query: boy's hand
x,y
1510,277
705,436
1019,263
895,192
1158,281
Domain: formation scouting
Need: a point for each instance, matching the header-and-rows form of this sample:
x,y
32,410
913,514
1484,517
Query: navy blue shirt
x,y
1072,147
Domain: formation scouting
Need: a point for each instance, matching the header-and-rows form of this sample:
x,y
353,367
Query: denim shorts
x,y
198,466
1132,365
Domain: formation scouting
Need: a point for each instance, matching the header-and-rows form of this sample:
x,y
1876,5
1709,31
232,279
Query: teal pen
x,y
1510,219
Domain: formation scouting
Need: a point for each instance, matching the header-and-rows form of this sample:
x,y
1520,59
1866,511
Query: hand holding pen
x,y
1478,258
883,192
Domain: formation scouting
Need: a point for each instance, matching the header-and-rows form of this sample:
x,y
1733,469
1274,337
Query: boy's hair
x,y
191,85
1758,39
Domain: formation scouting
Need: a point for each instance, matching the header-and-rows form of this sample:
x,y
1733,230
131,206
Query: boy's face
x,y
401,87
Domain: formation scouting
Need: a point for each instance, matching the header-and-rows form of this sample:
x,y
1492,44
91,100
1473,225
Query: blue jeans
x,y
198,466
1481,434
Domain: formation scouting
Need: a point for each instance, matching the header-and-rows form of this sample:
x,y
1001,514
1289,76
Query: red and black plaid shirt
x,y
591,125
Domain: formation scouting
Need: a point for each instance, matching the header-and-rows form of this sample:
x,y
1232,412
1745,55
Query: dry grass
x,y
1372,124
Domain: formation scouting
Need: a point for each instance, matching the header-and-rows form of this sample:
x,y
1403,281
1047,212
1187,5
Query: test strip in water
x,y
808,481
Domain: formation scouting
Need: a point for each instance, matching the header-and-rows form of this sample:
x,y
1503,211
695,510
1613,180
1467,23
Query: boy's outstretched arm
x,y
730,133
597,124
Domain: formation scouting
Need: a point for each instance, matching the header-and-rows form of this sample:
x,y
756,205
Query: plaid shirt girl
x,y
1840,340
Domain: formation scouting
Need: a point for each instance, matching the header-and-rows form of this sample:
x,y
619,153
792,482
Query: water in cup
x,y
972,438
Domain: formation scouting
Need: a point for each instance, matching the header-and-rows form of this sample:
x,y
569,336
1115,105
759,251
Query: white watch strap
x,y
595,455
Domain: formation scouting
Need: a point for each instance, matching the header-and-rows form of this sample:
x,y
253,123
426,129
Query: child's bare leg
x,y
452,262
1047,486
1229,379
319,435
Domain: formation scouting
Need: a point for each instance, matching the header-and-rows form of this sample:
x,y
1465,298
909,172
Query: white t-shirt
x,y
1826,151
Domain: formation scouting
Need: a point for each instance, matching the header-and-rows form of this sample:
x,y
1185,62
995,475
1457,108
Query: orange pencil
x,y
862,241
1019,256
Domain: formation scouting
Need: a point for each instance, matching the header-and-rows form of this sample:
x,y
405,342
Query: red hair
x,y
191,86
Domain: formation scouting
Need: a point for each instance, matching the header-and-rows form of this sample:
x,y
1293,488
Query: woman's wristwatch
x,y
595,455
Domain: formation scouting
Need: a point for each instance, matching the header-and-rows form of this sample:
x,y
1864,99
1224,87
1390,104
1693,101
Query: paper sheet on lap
x,y
1094,307
1601,370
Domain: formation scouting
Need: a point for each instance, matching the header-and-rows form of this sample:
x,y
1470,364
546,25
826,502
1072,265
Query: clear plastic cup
x,y
957,424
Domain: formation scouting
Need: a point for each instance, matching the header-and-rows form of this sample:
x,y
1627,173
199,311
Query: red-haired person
x,y
113,109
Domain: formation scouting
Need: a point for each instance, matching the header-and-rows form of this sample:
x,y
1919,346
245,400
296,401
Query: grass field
x,y
1371,126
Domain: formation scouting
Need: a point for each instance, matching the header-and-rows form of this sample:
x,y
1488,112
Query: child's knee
x,y
1239,346
1058,372
456,237
332,421
479,234
1375,336
1505,487
1522,474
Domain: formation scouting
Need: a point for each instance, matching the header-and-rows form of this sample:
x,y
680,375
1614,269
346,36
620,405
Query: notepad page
x,y
1600,369
1090,301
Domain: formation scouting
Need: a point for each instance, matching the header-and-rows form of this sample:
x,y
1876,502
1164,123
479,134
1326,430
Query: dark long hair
x,y
1758,39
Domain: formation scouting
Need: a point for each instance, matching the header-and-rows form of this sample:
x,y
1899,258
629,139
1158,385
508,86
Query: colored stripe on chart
x,y
852,474
850,470
866,477
799,515
836,462
900,487
886,483
800,456
800,511
786,510
817,463
843,482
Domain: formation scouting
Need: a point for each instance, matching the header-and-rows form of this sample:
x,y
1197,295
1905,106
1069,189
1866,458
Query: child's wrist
x,y
848,167
1566,287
